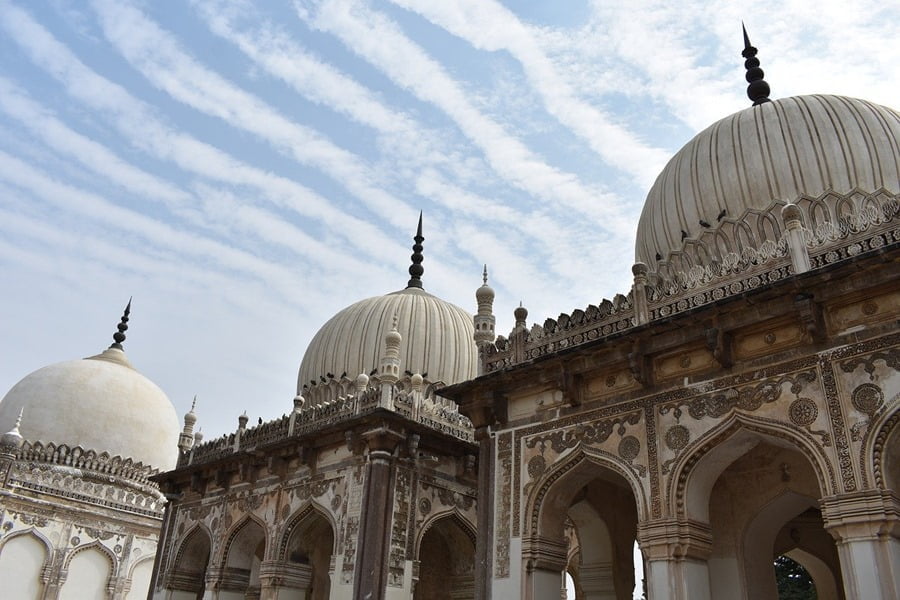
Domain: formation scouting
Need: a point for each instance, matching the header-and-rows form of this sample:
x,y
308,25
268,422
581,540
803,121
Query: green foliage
x,y
794,582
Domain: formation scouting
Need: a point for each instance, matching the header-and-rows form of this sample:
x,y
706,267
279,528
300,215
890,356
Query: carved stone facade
x,y
366,492
76,523
753,414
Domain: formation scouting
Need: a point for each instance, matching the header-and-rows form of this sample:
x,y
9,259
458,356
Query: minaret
x,y
484,319
758,90
186,438
10,442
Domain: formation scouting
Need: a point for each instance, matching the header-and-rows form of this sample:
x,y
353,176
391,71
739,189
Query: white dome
x,y
437,338
100,403
735,173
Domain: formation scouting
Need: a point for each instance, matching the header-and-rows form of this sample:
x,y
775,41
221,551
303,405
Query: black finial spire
x,y
416,269
758,90
119,336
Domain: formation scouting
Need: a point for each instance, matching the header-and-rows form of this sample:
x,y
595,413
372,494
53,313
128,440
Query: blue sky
x,y
246,169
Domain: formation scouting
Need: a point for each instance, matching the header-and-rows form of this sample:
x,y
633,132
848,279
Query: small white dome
x,y
100,403
436,339
722,189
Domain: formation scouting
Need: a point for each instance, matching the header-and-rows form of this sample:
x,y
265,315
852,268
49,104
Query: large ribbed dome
x,y
100,403
762,157
437,339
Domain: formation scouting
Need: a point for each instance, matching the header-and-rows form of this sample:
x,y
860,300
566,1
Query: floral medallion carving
x,y
677,437
424,506
803,412
629,447
867,398
536,466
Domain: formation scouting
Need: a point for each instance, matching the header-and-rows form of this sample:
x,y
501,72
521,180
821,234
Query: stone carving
x,y
867,398
890,357
677,437
593,432
504,453
749,398
803,412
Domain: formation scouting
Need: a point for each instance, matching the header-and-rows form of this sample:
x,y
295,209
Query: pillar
x,y
370,581
484,541
676,553
545,561
866,528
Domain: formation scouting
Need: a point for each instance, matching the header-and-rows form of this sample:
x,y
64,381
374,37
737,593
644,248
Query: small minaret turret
x,y
484,319
186,438
389,369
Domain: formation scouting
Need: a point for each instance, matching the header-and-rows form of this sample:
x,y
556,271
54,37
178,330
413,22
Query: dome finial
x,y
119,336
758,90
484,277
416,269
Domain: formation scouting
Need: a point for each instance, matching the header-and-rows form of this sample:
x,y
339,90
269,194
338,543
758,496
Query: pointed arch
x,y
452,514
192,558
882,425
96,544
236,530
48,546
561,482
89,581
24,556
310,508
733,436
143,568
445,554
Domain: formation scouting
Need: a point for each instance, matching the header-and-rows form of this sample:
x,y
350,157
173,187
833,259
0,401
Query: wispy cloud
x,y
160,58
380,41
490,26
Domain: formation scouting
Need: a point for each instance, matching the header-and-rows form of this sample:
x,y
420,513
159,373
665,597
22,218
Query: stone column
x,y
370,581
484,539
866,528
793,235
545,561
676,552
597,581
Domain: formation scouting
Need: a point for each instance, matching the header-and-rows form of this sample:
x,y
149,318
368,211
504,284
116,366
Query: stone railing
x,y
87,476
420,404
871,227
564,331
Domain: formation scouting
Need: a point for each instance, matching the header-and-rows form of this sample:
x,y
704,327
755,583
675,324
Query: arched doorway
x,y
243,558
306,564
759,494
187,578
597,503
446,561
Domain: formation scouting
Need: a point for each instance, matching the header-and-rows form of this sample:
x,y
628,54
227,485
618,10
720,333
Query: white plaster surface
x,y
21,559
88,577
99,403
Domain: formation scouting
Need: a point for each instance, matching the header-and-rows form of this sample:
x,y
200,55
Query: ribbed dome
x,y
100,403
765,156
437,339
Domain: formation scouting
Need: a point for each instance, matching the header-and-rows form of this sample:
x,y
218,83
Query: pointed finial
x,y
484,278
119,336
758,90
416,269
194,403
19,419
